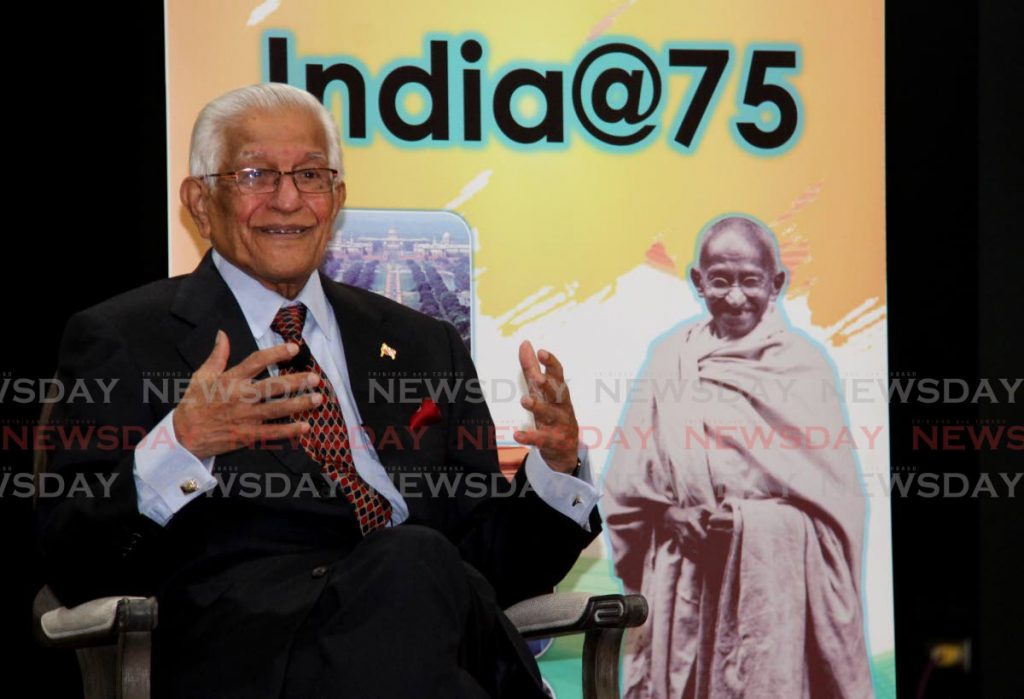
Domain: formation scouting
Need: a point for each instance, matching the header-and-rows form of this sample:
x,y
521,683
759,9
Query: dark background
x,y
96,225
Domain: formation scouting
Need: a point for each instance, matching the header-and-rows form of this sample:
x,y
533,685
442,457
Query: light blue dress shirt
x,y
162,464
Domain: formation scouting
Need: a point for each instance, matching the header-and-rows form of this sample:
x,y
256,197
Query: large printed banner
x,y
603,178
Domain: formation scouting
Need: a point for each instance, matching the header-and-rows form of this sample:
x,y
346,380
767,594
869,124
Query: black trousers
x,y
399,615
404,616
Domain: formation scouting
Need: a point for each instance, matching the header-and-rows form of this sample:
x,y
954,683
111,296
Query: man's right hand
x,y
224,409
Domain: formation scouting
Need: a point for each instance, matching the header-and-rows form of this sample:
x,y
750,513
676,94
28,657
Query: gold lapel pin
x,y
387,351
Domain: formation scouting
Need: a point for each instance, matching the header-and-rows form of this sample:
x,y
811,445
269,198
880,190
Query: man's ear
x,y
195,197
778,281
695,278
341,192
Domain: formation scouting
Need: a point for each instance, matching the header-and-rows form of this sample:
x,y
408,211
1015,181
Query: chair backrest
x,y
41,457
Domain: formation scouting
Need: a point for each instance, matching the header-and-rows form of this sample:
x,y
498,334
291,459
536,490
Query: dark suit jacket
x,y
94,546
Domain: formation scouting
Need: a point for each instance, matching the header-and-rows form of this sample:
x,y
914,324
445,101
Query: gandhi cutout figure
x,y
743,535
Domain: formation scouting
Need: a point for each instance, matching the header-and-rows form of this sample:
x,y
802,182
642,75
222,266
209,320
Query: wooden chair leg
x,y
601,663
136,619
134,650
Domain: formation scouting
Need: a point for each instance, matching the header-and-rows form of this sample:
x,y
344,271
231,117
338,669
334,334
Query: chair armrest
x,y
96,622
565,613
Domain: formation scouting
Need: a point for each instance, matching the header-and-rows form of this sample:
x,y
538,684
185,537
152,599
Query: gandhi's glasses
x,y
258,180
749,285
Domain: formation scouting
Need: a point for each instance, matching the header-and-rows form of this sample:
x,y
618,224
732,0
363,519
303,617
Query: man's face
x,y
736,279
278,238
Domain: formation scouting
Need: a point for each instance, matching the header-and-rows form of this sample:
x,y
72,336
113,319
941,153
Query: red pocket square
x,y
427,414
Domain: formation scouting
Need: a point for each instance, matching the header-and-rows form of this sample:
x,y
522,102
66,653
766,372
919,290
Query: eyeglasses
x,y
258,180
719,286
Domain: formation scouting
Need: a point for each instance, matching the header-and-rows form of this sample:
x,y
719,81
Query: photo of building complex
x,y
421,259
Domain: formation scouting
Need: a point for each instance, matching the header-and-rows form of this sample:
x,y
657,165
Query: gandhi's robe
x,y
752,428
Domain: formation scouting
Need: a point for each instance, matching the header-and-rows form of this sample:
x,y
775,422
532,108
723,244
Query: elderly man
x,y
304,539
742,531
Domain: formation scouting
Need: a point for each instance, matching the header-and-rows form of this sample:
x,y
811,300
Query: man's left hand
x,y
556,432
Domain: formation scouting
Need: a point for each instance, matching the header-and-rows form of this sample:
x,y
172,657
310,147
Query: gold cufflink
x,y
190,486
387,351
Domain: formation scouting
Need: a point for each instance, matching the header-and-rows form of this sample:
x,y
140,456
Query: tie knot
x,y
289,321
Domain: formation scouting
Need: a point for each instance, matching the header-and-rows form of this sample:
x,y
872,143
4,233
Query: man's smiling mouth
x,y
283,230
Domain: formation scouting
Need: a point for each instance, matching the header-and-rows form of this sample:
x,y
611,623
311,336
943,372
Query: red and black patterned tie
x,y
327,441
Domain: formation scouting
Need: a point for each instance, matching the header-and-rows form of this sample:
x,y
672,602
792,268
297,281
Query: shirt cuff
x,y
167,475
573,496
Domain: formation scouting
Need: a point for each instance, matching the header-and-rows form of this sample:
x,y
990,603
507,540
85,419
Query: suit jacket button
x,y
190,486
319,571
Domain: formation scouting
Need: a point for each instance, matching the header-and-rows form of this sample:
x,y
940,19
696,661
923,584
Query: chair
x,y
112,636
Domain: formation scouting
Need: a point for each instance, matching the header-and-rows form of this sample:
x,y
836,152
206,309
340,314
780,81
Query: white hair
x,y
750,227
207,151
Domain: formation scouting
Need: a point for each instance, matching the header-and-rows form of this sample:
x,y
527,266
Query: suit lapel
x,y
363,330
205,301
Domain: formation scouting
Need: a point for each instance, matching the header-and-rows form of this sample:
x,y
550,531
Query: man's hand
x,y
556,433
224,410
690,525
